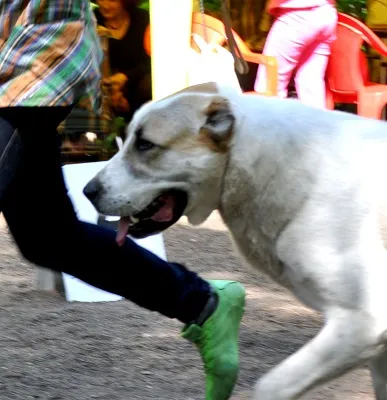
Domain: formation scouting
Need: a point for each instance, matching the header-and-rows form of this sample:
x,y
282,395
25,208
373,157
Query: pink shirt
x,y
275,6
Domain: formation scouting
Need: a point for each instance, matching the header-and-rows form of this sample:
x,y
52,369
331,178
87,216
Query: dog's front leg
x,y
378,368
346,340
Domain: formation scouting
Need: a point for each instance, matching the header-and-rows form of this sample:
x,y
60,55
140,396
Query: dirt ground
x,y
51,349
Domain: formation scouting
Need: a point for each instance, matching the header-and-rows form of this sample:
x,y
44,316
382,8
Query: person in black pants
x,y
49,61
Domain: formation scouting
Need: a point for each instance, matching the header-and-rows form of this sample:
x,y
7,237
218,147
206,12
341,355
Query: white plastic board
x,y
76,178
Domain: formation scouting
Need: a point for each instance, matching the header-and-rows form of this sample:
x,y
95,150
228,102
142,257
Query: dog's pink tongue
x,y
123,227
165,213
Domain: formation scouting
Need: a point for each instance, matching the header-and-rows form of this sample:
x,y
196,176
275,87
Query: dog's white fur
x,y
304,194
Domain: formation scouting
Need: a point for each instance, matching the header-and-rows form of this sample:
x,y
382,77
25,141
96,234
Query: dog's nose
x,y
91,190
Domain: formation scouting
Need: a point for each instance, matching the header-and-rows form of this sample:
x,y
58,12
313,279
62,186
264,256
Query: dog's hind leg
x,y
378,368
346,341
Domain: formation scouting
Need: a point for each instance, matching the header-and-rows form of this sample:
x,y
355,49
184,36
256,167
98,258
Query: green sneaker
x,y
217,339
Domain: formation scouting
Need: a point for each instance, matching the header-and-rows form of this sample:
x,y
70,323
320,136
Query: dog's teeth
x,y
134,220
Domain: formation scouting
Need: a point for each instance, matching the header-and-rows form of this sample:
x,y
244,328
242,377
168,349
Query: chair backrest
x,y
344,72
206,26
209,28
367,34
213,30
216,33
347,70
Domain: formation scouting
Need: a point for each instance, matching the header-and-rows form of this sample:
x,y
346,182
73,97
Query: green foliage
x,y
356,8
210,5
109,142
144,4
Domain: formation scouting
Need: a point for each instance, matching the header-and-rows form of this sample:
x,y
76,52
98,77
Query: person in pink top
x,y
300,39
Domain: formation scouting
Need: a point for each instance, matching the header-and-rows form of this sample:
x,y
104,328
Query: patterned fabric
x,y
50,54
81,118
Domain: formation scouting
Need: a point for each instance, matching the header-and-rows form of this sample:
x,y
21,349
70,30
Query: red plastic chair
x,y
347,75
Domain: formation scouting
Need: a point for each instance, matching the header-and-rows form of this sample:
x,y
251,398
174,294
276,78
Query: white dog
x,y
304,194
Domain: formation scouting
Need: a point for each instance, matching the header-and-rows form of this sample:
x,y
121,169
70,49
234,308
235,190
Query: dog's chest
x,y
255,247
254,226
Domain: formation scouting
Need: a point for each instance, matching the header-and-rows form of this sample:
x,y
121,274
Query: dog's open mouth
x,y
163,212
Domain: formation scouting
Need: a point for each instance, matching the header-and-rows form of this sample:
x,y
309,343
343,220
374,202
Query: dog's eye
x,y
143,145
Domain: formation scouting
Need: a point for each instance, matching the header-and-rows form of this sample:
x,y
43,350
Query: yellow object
x,y
377,13
170,22
196,5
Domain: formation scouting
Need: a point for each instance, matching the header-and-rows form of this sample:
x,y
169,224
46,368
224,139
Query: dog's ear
x,y
219,123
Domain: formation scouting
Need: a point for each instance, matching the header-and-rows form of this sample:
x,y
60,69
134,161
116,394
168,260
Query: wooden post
x,y
48,280
170,22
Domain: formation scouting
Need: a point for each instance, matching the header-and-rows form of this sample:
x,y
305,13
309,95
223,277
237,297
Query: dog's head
x,y
172,163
